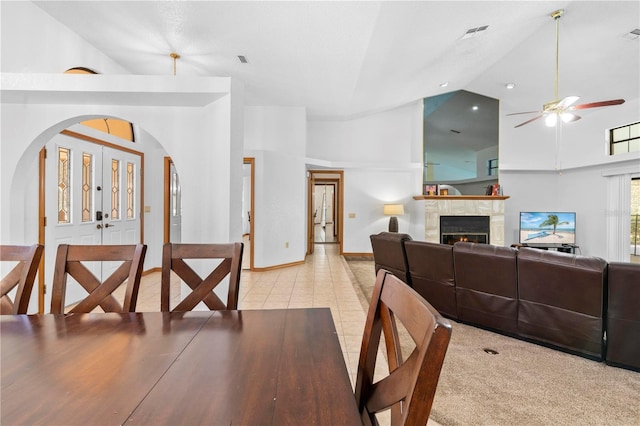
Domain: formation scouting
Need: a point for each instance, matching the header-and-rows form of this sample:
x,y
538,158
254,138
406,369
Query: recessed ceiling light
x,y
445,84
510,85
475,107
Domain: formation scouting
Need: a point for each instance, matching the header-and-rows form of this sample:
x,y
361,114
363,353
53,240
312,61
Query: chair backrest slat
x,y
21,277
69,262
410,387
173,259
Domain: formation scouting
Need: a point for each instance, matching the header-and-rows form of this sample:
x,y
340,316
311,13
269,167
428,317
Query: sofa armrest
x,y
389,253
623,315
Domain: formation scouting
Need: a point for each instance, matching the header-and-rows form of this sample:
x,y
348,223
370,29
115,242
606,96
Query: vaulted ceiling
x,y
346,59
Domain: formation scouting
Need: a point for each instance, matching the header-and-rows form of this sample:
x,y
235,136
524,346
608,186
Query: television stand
x,y
563,248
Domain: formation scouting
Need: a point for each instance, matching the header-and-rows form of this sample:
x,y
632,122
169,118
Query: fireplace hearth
x,y
474,229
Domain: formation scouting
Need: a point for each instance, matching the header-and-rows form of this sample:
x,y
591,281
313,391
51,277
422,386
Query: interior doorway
x,y
325,208
324,212
172,203
248,211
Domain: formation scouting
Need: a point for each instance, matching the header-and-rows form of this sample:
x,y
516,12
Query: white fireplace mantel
x,y
436,206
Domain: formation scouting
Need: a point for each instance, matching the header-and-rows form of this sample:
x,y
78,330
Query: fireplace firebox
x,y
474,229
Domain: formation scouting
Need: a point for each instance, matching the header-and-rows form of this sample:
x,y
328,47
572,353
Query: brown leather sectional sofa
x,y
576,303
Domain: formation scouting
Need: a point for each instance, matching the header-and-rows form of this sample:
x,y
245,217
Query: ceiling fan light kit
x,y
562,108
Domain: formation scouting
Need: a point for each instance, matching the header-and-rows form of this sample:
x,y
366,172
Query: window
x,y
87,187
625,139
64,185
130,191
115,189
635,218
492,167
113,126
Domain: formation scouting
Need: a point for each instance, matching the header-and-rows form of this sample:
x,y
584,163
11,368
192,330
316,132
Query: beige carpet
x,y
525,383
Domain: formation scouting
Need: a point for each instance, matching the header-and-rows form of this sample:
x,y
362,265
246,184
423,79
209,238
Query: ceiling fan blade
x,y
568,101
598,104
568,117
525,112
528,121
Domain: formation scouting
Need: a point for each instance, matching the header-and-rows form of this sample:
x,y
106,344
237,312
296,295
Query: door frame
x,y
166,191
326,176
42,220
251,161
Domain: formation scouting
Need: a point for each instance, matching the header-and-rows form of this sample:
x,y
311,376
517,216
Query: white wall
x,y
275,137
381,158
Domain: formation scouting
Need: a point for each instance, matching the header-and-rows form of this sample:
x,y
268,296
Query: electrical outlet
x,y
352,215
286,244
147,209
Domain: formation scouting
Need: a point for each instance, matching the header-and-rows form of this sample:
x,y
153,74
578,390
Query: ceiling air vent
x,y
243,59
473,32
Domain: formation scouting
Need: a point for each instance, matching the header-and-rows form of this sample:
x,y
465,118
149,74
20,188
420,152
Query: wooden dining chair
x,y
69,262
21,277
410,387
173,259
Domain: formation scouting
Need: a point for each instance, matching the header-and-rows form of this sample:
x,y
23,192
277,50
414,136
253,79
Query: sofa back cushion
x,y
561,299
389,254
486,285
432,275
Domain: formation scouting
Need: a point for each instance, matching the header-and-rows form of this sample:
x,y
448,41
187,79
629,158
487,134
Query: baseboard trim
x,y
367,255
151,271
271,268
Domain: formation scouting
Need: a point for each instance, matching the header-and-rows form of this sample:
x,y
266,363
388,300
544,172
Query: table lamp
x,y
393,210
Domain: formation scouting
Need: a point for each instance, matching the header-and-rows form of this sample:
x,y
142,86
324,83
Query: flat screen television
x,y
548,228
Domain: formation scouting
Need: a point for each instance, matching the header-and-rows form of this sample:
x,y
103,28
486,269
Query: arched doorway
x,y
92,193
38,206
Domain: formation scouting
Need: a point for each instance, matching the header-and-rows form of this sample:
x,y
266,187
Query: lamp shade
x,y
393,209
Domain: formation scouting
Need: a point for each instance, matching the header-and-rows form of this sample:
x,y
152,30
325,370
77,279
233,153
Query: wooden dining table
x,y
251,367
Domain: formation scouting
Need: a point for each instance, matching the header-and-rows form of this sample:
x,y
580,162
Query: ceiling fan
x,y
562,108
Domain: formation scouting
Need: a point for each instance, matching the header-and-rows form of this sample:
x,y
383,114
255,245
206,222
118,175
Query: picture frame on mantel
x,y
430,189
443,191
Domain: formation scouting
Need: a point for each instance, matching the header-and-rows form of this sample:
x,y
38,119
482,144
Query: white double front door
x,y
92,196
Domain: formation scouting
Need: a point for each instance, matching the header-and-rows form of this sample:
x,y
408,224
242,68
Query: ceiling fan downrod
x,y
556,15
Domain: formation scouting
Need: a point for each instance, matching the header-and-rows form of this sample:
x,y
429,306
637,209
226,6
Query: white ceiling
x,y
345,59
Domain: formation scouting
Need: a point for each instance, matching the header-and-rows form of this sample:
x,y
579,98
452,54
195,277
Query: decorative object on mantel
x,y
393,210
430,189
460,197
443,191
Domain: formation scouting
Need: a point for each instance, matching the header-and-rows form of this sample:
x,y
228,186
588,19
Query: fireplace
x,y
474,229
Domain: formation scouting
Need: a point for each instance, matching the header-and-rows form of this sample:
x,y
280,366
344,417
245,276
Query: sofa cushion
x,y
623,315
389,254
432,275
561,299
486,285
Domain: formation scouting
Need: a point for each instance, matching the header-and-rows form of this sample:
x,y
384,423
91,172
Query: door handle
x,y
99,226
107,225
